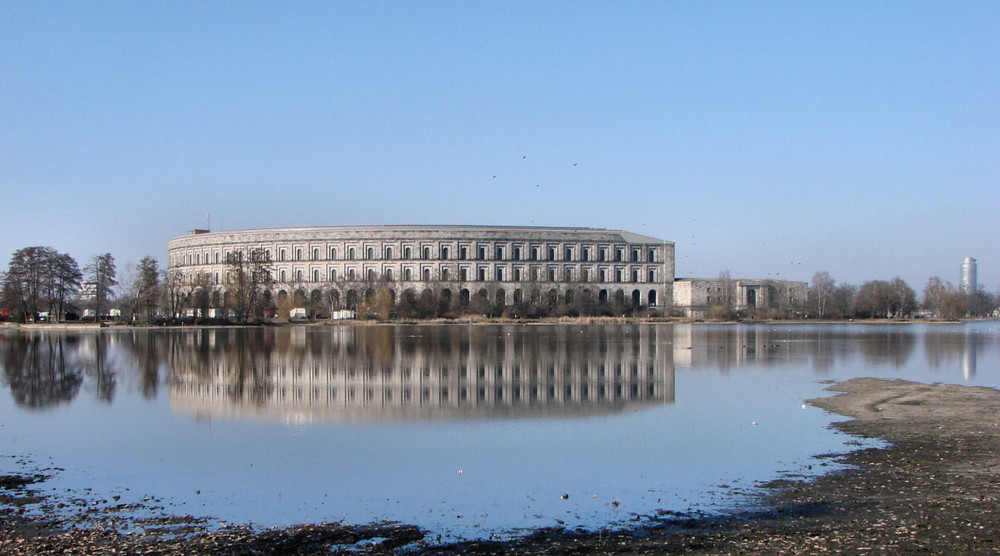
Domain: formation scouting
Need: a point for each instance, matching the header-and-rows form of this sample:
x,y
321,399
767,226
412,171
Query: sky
x,y
767,139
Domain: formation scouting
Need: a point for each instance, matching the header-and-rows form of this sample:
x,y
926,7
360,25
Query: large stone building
x,y
333,268
501,265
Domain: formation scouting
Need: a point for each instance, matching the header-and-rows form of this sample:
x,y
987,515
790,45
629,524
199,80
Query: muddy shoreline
x,y
934,489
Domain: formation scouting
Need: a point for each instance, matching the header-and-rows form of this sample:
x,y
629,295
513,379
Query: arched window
x,y
333,253
350,254
427,275
407,253
298,275
315,275
298,254
635,255
388,252
427,253
652,276
315,254
552,253
282,275
369,254
388,274
444,253
482,253
333,274
350,274
517,253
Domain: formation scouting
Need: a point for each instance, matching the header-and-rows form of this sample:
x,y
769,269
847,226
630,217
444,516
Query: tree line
x,y
895,299
41,283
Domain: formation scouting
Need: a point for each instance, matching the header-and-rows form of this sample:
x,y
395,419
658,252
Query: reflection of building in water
x,y
725,346
421,372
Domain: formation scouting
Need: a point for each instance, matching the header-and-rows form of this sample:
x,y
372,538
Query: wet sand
x,y
934,489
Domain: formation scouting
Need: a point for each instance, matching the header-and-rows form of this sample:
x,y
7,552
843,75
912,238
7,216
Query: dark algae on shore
x,y
933,489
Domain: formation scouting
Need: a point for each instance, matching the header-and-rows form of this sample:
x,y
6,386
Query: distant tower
x,y
967,281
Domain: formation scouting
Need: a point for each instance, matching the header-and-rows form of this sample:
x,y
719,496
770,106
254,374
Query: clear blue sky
x,y
763,138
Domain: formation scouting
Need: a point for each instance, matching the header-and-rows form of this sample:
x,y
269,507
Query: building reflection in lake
x,y
420,372
402,372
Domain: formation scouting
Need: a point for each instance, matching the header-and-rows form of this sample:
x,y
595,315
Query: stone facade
x,y
504,264
695,296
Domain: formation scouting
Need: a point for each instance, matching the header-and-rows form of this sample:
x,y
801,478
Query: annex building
x,y
335,268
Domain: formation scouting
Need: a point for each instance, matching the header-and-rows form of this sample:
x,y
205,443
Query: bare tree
x,y
101,280
247,273
39,278
173,291
24,283
820,292
934,295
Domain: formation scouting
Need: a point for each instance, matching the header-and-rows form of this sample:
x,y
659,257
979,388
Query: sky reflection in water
x,y
465,430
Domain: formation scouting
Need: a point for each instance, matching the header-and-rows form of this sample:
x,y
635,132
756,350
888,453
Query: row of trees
x,y
894,299
42,280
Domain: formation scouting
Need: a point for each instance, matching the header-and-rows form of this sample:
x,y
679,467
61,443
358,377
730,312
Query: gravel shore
x,y
934,489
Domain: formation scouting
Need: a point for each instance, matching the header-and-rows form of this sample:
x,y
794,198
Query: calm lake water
x,y
468,431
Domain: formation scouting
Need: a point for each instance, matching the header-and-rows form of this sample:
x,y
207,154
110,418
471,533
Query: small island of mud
x,y
935,488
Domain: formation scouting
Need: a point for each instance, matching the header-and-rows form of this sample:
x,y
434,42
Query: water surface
x,y
468,431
